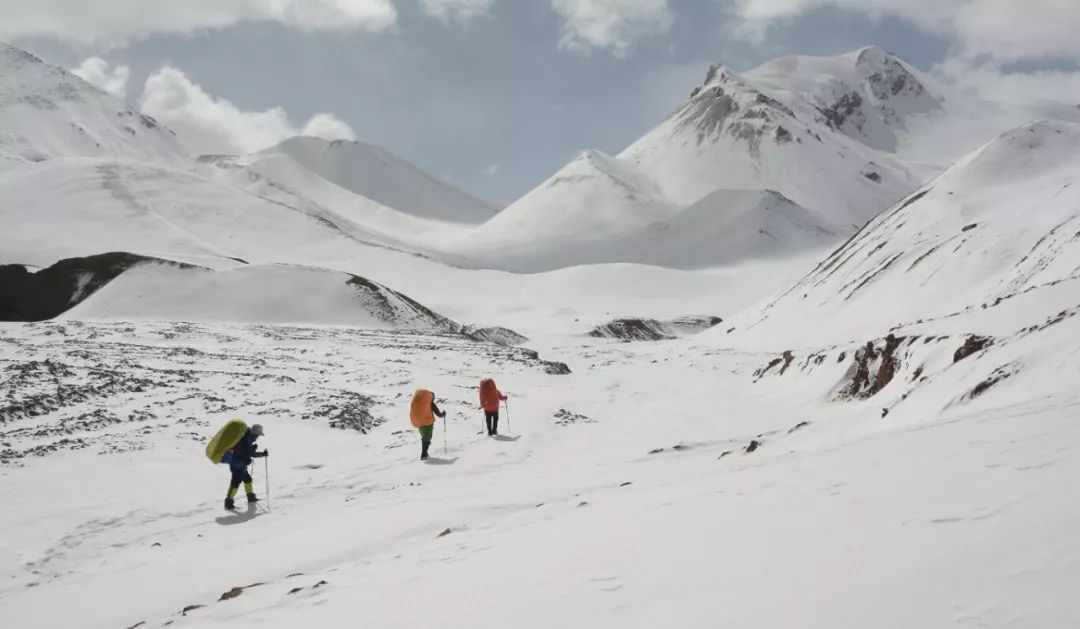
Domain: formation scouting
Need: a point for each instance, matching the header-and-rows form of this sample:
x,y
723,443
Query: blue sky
x,y
495,95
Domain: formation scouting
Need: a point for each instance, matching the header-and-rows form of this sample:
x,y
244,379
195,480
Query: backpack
x,y
219,450
420,413
489,394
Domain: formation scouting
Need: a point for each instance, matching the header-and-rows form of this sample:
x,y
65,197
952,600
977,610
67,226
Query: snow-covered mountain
x,y
46,113
594,197
879,100
370,172
734,134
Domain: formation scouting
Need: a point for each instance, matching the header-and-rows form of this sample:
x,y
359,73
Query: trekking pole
x,y
507,402
266,473
444,434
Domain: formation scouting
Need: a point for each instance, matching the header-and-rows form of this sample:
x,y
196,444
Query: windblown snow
x,y
849,401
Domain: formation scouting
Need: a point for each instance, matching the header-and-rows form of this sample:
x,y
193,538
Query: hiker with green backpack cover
x,y
235,445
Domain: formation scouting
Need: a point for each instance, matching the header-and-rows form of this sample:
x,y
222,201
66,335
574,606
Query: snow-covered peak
x,y
46,112
375,173
594,197
868,94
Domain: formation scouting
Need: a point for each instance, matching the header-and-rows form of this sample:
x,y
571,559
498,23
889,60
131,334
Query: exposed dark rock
x,y
788,357
553,368
798,426
889,364
497,335
999,374
843,109
973,344
444,533
231,594
632,330
752,446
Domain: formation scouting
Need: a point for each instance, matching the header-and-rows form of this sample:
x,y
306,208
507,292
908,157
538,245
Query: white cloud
x,y
214,125
990,82
459,10
329,127
1006,30
492,170
986,35
122,20
96,71
611,24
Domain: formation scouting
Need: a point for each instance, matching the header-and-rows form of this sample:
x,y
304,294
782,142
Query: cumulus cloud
x,y
456,10
610,24
214,125
123,20
96,71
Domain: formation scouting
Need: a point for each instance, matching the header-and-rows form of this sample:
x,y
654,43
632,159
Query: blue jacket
x,y
244,451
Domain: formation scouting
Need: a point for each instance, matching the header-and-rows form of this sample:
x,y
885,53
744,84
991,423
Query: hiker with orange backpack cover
x,y
422,413
490,396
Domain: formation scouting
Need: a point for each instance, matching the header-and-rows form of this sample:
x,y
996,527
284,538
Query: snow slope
x,y
46,112
723,228
256,294
371,172
1001,222
84,206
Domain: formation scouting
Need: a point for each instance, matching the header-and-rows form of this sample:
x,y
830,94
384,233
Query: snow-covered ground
x,y
625,490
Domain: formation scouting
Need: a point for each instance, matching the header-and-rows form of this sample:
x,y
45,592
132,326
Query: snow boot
x,y
229,504
424,445
252,498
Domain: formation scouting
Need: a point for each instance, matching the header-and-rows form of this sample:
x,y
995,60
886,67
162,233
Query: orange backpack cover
x,y
489,395
420,412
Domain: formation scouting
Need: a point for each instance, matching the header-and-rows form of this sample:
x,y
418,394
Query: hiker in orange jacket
x,y
490,396
422,413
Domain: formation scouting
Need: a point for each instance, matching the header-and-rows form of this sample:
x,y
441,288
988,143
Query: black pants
x,y
240,475
492,420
